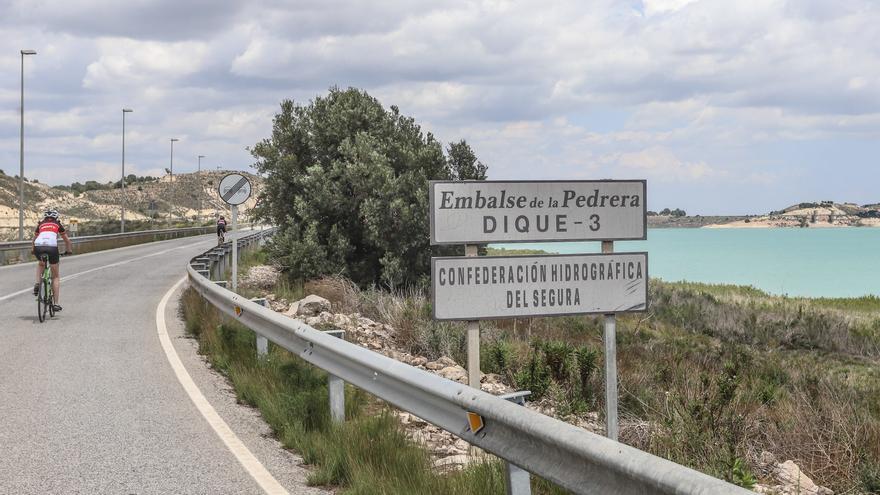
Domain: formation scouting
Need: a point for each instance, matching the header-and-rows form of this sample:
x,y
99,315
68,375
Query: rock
x,y
446,361
455,373
490,378
443,362
341,321
793,480
419,437
452,462
767,459
418,361
311,305
366,323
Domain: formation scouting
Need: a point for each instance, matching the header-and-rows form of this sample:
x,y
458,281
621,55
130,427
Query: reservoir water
x,y
829,262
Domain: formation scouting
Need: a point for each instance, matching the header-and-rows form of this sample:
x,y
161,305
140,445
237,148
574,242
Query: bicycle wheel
x,y
50,300
41,302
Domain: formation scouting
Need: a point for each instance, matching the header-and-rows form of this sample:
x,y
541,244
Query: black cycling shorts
x,y
51,251
221,228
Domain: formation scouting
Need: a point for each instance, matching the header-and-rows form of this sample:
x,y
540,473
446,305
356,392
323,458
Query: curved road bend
x,y
89,402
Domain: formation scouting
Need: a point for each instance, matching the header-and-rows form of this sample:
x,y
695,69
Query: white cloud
x,y
654,7
660,164
131,62
683,91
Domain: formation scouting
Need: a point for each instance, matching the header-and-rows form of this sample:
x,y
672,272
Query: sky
x,y
724,107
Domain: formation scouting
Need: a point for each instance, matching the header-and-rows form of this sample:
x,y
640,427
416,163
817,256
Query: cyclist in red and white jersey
x,y
46,242
221,225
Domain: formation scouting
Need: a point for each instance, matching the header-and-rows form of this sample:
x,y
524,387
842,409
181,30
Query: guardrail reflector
x,y
238,310
475,421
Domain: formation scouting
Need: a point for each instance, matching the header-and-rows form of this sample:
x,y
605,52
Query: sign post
x,y
610,338
472,288
234,189
473,335
235,249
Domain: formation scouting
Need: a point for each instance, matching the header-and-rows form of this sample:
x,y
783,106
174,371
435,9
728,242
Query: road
x,y
89,402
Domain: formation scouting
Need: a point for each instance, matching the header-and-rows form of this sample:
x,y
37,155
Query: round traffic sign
x,y
234,189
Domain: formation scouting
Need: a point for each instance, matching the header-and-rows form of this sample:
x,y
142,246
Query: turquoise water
x,y
840,262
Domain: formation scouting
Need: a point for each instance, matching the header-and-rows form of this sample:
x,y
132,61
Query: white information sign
x,y
474,212
474,288
234,189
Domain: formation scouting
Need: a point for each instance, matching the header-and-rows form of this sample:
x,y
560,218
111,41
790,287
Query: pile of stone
x,y
262,277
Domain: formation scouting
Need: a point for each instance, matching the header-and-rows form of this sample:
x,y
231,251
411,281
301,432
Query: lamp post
x,y
21,153
201,186
122,224
172,158
171,171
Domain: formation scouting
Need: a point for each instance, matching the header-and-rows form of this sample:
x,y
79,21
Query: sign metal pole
x,y
235,249
473,336
611,425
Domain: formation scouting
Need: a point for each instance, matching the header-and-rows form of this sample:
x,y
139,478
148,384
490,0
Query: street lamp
x,y
122,224
21,153
172,158
201,186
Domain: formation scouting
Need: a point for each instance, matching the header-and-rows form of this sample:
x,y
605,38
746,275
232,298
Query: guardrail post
x,y
214,261
336,388
262,342
517,479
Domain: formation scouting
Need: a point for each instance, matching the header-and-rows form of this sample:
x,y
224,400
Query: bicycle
x,y
45,296
221,237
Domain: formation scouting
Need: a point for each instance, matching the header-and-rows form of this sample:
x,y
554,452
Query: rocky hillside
x,y
188,197
819,214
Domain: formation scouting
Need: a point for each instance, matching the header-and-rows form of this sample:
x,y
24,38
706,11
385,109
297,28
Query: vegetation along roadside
x,y
766,392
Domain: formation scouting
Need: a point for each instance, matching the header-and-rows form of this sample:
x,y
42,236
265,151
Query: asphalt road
x,y
88,400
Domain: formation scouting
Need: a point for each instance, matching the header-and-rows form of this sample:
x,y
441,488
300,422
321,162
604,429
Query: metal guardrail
x,y
569,456
21,250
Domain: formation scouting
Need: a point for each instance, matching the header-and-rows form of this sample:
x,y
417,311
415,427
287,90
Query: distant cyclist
x,y
46,242
221,228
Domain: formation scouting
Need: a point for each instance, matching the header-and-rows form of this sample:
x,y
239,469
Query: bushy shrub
x,y
347,183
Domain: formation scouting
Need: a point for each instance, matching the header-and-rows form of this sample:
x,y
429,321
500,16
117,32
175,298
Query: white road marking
x,y
250,463
105,251
73,276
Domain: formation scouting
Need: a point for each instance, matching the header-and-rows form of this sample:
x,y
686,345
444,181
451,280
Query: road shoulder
x,y
246,422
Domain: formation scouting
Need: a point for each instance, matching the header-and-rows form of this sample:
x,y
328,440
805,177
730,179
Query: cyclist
x,y
221,227
46,242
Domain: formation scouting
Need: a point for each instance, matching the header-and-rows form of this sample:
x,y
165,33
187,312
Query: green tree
x,y
463,162
347,183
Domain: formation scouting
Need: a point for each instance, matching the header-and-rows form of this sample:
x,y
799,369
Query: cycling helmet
x,y
53,213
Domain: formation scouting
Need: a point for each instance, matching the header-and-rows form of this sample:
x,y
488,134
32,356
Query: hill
x,y
190,197
817,214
